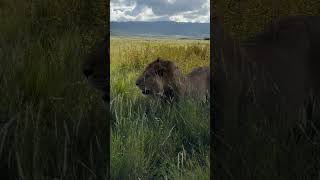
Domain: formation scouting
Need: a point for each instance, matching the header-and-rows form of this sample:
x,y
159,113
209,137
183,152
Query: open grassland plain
x,y
150,140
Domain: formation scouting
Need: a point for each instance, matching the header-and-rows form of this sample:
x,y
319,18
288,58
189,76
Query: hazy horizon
x,y
161,29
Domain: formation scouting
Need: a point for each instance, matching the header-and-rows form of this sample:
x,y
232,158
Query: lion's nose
x,y
87,72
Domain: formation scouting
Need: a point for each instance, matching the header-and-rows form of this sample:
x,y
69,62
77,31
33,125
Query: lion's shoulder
x,y
199,82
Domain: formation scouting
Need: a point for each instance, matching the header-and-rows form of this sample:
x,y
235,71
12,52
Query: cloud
x,y
160,10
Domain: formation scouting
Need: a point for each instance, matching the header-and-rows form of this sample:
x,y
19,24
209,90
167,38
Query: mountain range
x,y
161,29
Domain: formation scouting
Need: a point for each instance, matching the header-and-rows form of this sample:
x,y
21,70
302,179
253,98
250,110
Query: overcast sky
x,y
160,10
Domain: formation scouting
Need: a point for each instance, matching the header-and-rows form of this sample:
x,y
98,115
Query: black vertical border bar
x,y
215,109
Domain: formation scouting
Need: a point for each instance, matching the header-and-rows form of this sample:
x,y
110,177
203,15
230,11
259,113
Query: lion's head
x,y
96,68
160,78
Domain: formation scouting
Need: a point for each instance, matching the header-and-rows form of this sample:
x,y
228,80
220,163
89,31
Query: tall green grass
x,y
253,142
52,124
151,140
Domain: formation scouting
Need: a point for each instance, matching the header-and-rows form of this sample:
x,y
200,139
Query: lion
x,y
96,68
163,79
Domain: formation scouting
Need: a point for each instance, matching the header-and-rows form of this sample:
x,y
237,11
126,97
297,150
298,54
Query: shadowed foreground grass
x,y
52,124
150,140
50,118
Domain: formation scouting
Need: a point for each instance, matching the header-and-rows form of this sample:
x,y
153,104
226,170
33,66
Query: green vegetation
x,y
52,124
258,143
150,140
245,18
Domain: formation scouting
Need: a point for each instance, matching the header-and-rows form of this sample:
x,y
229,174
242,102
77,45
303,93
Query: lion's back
x,y
199,79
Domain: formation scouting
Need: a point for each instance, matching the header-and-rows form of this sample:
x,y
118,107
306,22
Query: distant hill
x,y
161,29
